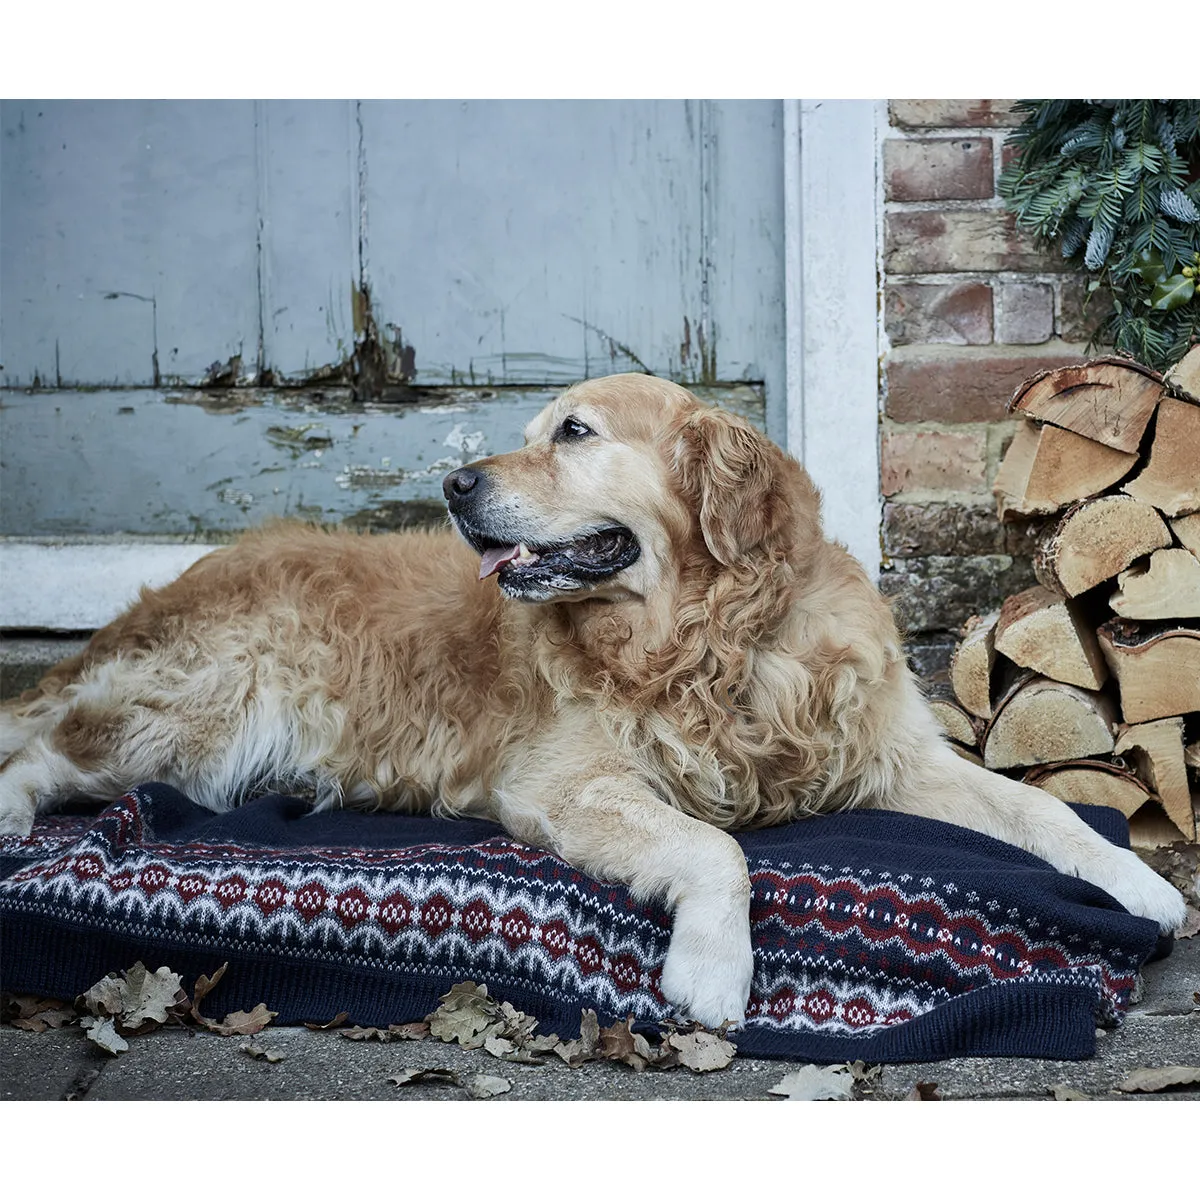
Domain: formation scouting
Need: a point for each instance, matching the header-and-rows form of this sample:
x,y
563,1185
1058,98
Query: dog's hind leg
x,y
949,788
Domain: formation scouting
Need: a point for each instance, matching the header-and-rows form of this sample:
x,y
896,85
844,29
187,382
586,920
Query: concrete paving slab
x,y
46,1066
171,1065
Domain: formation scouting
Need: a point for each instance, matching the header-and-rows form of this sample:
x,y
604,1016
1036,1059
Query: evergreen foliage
x,y
1117,184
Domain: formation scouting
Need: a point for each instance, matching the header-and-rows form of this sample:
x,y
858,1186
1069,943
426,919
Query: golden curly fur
x,y
741,670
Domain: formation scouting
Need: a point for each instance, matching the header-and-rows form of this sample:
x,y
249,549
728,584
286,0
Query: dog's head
x,y
621,481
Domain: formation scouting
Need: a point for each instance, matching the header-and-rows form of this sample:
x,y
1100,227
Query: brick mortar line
x,y
986,204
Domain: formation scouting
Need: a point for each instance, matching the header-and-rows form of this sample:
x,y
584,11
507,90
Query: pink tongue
x,y
493,559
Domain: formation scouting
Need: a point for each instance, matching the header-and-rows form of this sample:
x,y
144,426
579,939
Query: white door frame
x,y
831,232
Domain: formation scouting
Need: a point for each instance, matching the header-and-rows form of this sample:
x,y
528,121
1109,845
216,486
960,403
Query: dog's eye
x,y
571,428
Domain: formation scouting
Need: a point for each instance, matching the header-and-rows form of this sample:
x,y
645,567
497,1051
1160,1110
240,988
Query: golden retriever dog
x,y
638,639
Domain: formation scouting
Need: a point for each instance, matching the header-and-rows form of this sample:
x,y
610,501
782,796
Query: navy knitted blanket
x,y
876,935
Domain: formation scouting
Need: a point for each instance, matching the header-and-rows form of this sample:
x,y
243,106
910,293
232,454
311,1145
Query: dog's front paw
x,y
1144,893
709,963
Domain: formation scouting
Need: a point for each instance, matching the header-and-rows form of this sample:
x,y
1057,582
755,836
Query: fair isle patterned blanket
x,y
876,935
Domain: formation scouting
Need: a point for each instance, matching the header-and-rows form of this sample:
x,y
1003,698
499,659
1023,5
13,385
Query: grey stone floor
x,y
172,1064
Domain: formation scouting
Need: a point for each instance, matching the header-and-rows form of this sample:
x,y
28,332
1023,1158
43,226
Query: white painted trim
x,y
833,412
82,586
793,283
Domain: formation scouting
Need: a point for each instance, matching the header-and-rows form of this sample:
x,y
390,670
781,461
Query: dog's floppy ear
x,y
732,475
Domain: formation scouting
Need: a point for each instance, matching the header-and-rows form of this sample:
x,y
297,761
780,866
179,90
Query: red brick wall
x,y
971,309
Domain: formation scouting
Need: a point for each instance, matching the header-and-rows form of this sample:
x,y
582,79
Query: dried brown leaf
x,y
466,1015
701,1050
336,1023
150,998
261,1052
138,1000
1063,1092
1191,924
816,1083
36,1014
483,1087
865,1073
243,1023
206,983
104,1033
583,1048
430,1075
1156,1079
924,1091
413,1031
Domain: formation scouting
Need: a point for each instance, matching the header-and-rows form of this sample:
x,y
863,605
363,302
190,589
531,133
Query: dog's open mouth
x,y
537,572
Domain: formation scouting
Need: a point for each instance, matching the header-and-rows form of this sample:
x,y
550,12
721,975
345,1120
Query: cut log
x,y
970,755
1184,376
1169,587
1045,722
1047,468
1191,755
971,665
1087,781
1187,530
1150,828
1155,749
959,725
1109,400
1171,479
1096,540
1040,630
1157,668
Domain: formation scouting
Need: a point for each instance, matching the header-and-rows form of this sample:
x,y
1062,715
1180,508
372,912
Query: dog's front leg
x,y
613,826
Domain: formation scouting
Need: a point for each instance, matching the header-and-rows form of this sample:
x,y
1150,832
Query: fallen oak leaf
x,y
1191,924
150,999
205,984
701,1050
924,1091
465,1015
260,1052
244,1023
431,1075
1156,1079
103,1032
583,1048
336,1023
413,1031
1062,1092
136,999
484,1087
36,1014
816,1083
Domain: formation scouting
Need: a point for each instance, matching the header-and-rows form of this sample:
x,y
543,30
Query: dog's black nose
x,y
459,483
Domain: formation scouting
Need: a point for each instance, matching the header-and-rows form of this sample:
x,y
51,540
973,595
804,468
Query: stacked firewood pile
x,y
1088,685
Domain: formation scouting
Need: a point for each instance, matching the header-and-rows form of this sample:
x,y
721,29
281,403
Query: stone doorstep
x,y
25,659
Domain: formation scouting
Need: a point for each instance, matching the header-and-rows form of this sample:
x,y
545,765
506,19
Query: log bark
x,y
1157,668
1108,400
1040,630
1171,479
1155,749
971,665
1169,586
1095,540
1047,468
1087,781
960,726
1044,722
1184,376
